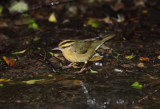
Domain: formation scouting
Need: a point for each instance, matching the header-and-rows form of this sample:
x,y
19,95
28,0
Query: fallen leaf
x,y
52,18
36,39
93,71
33,26
32,23
118,70
1,85
50,75
75,66
136,85
19,6
38,48
140,65
76,82
4,80
144,59
1,10
96,57
72,11
18,101
31,81
140,3
93,23
117,6
144,11
60,64
108,20
19,52
153,77
9,62
130,56
51,53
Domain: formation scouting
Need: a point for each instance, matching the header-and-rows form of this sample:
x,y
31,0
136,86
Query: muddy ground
x,y
31,74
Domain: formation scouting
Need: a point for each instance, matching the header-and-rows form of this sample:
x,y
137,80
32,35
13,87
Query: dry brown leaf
x,y
144,59
10,62
107,20
117,6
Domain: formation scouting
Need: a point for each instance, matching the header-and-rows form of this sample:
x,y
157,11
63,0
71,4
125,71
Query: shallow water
x,y
72,93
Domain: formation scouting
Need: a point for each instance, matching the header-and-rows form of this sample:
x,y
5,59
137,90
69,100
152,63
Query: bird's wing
x,y
82,46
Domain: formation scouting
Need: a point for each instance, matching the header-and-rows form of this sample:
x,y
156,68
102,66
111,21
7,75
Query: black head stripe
x,y
67,46
66,42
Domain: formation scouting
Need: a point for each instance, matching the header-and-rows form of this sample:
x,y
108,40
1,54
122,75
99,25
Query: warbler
x,y
81,50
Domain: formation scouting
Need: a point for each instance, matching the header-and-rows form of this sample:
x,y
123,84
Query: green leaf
x,y
50,75
93,23
75,66
19,52
19,6
1,10
28,18
31,81
31,20
93,71
52,54
4,80
118,70
25,15
61,65
52,18
36,39
72,11
33,26
136,85
1,85
38,48
130,56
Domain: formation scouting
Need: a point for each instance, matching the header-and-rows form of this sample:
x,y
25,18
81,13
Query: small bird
x,y
81,50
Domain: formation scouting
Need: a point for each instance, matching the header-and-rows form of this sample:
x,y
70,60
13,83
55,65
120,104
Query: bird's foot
x,y
80,70
68,66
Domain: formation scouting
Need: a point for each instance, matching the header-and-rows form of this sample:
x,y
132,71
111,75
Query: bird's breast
x,y
75,57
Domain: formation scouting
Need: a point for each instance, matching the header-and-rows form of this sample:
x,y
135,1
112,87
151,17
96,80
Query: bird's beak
x,y
57,48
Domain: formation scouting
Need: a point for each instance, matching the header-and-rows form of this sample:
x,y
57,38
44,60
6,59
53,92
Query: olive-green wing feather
x,y
82,46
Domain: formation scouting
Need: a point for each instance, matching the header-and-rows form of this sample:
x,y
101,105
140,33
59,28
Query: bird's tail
x,y
104,39
108,37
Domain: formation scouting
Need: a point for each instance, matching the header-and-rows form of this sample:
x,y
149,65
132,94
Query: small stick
x,y
146,97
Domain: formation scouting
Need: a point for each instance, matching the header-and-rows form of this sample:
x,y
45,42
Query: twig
x,y
146,97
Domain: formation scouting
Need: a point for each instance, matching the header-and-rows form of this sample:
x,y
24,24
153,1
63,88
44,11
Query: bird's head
x,y
65,45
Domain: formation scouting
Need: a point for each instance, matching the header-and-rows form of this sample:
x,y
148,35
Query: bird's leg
x,y
69,66
82,69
